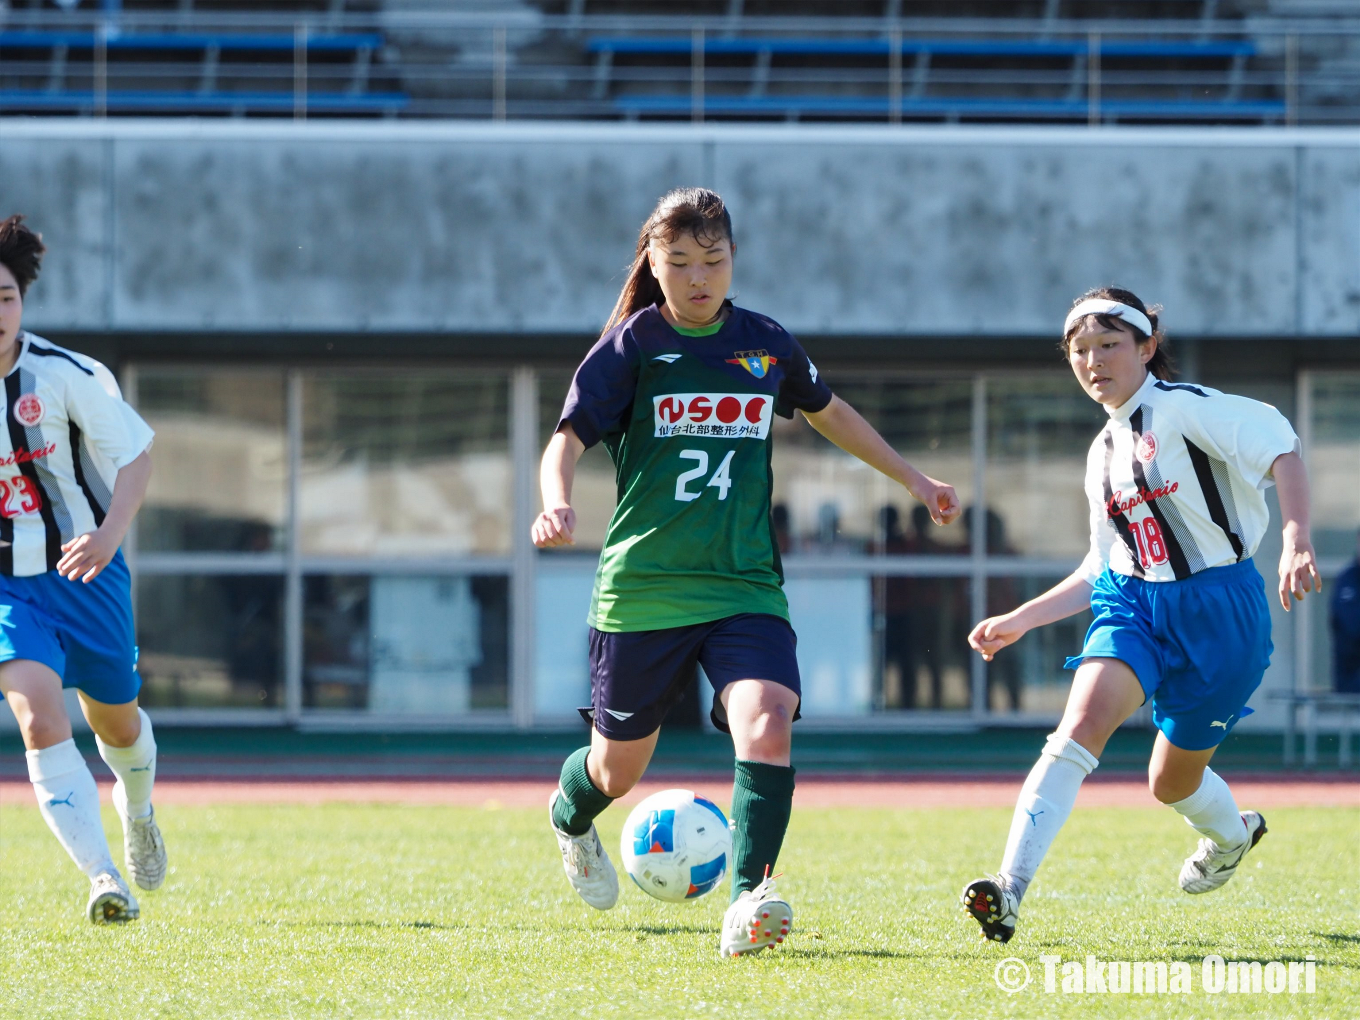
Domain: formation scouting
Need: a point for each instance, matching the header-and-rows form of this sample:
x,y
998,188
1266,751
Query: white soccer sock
x,y
69,802
135,768
1211,810
1045,801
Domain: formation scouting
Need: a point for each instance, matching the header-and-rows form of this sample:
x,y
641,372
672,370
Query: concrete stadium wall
x,y
525,228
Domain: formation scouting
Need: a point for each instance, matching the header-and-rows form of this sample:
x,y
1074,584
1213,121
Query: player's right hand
x,y
994,634
553,527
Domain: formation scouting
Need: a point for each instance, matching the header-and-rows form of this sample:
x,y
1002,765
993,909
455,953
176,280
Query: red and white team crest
x,y
29,409
1147,448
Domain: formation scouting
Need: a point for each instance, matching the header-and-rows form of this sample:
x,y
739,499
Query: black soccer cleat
x,y
992,905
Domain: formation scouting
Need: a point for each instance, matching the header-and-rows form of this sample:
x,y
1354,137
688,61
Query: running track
x,y
934,791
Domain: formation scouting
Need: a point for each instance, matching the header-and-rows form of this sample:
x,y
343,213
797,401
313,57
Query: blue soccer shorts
x,y
82,632
636,677
1198,646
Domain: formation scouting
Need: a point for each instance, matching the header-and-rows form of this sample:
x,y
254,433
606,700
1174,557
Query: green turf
x,y
382,911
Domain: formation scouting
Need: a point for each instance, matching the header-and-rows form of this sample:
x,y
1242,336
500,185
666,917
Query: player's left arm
x,y
86,555
1298,561
845,427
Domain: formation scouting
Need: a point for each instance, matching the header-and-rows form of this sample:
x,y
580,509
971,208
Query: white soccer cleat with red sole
x,y
759,918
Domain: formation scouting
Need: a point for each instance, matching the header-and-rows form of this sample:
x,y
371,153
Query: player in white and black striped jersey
x,y
1176,482
67,434
73,472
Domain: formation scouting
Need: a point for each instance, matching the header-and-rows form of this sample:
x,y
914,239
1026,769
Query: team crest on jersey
x,y
29,410
1146,450
755,362
720,415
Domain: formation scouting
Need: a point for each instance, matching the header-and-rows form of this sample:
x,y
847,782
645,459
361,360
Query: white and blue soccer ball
x,y
676,845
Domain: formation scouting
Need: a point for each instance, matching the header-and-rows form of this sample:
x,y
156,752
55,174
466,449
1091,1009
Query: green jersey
x,y
686,418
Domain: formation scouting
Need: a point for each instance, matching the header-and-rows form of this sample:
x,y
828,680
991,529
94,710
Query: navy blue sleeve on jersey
x,y
802,387
600,400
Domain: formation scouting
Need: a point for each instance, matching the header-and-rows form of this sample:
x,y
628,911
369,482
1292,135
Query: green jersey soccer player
x,y
681,389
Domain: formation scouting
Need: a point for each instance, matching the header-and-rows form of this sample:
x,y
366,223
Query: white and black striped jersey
x,y
1176,481
68,432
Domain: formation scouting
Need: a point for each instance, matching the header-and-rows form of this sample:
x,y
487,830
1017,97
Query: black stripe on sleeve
x,y
77,456
1171,387
1174,553
1213,498
48,352
1117,517
18,440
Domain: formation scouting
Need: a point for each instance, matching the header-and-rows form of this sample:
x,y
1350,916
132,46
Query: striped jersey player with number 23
x,y
682,389
1176,483
74,468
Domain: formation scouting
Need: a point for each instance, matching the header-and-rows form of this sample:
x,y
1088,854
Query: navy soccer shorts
x,y
636,677
1199,647
82,632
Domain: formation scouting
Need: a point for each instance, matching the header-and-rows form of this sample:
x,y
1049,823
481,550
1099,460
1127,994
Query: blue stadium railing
x,y
917,105
952,47
527,64
166,100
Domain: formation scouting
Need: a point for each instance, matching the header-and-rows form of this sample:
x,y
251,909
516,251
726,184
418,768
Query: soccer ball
x,y
676,846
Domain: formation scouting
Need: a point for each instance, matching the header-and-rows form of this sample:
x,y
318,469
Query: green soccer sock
x,y
581,799
762,797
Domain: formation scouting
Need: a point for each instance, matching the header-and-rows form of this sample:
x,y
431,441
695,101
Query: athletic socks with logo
x,y
1212,811
762,799
135,768
69,802
581,799
1045,801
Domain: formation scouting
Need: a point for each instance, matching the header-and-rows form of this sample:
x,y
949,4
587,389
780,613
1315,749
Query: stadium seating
x,y
179,69
756,102
1191,61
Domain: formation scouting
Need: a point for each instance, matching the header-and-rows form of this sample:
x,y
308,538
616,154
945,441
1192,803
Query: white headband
x,y
1100,306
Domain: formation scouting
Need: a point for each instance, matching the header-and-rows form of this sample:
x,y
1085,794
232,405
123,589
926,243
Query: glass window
x,y
220,478
594,490
828,501
833,619
562,654
1039,429
921,629
406,463
1334,463
210,641
406,644
1334,474
1029,675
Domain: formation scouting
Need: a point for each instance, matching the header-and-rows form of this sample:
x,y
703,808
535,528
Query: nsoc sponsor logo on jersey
x,y
720,415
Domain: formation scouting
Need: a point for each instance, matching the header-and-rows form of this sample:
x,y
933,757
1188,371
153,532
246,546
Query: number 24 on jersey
x,y
720,480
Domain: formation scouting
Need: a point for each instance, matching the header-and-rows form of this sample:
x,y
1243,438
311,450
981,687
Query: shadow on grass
x,y
1336,936
825,952
418,925
670,929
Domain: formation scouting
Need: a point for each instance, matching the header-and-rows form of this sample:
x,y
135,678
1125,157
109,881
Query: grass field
x,y
382,911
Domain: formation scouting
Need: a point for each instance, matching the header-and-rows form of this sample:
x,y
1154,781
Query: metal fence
x,y
531,65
